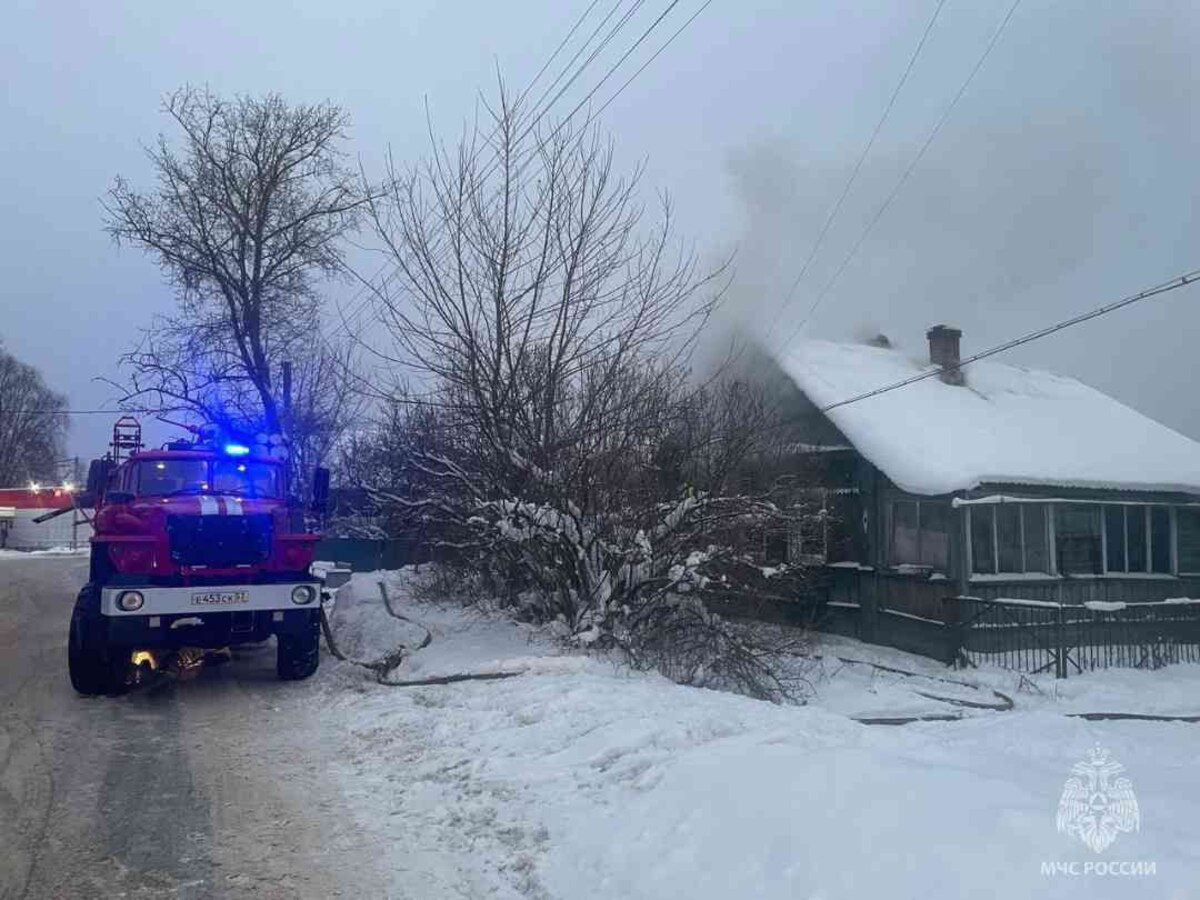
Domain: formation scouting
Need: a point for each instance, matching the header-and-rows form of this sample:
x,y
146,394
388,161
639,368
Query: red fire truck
x,y
196,545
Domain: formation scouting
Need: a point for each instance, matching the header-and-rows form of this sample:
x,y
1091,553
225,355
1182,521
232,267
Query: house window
x,y
808,540
1078,539
1137,539
906,533
775,548
1160,540
845,528
1187,528
920,534
1010,551
1009,538
1036,524
805,539
983,540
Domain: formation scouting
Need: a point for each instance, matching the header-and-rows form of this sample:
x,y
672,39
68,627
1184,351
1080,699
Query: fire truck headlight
x,y
130,600
303,593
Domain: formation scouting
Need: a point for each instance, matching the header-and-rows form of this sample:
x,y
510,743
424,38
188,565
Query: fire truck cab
x,y
198,546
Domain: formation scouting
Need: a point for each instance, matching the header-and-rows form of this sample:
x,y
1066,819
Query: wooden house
x,y
990,481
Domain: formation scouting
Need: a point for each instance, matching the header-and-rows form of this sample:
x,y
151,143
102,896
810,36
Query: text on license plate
x,y
220,598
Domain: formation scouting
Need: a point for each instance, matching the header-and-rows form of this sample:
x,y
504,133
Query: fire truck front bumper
x,y
208,616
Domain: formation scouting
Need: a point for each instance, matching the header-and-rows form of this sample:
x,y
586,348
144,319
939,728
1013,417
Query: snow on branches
x,y
563,453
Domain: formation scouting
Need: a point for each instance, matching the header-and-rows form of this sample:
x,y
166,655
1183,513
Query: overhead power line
x,y
596,51
653,56
529,129
539,110
148,411
905,176
77,412
641,39
887,110
363,300
1167,286
557,50
1174,284
621,61
536,114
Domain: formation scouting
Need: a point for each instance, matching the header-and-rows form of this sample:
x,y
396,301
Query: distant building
x,y
20,506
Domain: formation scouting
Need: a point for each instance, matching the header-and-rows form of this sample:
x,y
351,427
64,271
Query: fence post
x,y
868,610
1060,642
952,623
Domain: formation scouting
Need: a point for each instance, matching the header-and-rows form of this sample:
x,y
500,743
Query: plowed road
x,y
215,787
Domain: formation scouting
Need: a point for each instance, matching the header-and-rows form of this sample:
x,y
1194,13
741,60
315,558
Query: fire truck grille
x,y
219,541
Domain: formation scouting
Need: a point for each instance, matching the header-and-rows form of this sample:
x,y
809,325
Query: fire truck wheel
x,y
299,654
95,667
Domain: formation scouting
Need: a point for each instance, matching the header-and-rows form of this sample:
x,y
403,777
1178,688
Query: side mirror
x,y
320,490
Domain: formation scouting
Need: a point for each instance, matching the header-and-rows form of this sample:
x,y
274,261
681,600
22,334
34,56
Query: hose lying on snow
x,y
451,679
380,666
386,663
1004,705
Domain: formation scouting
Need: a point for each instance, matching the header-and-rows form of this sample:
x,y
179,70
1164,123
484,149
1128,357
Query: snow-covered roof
x,y
1007,425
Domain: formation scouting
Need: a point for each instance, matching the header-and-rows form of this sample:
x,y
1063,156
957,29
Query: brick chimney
x,y
943,352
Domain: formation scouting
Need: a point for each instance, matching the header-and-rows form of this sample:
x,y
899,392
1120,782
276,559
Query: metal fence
x,y
365,554
64,531
1040,636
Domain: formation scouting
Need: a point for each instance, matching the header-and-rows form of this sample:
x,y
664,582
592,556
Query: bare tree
x,y
33,427
246,220
323,406
561,450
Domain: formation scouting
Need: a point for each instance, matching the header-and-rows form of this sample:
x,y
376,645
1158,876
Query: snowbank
x,y
579,780
463,640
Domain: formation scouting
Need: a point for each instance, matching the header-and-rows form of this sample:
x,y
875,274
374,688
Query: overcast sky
x,y
1065,177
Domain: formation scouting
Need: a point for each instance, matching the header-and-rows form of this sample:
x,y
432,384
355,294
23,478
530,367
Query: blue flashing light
x,y
237,449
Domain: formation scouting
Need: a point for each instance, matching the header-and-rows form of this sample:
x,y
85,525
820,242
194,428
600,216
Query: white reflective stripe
x,y
208,506
233,506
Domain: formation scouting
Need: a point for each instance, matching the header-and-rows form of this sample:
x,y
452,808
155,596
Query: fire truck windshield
x,y
250,479
171,476
194,476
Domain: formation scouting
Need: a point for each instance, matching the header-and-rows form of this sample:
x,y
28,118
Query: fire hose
x,y
390,661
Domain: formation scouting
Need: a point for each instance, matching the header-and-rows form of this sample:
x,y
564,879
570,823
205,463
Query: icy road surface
x,y
212,788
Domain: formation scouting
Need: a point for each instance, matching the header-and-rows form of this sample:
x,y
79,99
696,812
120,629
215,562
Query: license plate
x,y
220,598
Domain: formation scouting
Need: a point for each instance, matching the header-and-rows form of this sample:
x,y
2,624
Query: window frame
x,y
996,572
892,562
1148,534
1050,510
1176,567
790,539
799,551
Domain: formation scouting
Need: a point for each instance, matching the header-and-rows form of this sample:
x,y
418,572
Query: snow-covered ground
x,y
578,779
52,552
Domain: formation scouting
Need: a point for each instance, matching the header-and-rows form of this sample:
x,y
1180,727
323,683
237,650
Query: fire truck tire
x,y
94,665
299,654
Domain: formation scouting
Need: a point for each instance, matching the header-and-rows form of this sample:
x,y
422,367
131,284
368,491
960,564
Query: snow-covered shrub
x,y
561,453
